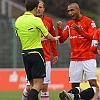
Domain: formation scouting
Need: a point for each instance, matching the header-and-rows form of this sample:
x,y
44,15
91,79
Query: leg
x,y
84,95
75,85
75,74
75,88
45,92
69,95
35,70
26,90
36,85
96,95
91,75
94,83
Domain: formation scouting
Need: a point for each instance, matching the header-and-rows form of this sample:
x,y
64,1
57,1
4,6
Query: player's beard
x,y
76,16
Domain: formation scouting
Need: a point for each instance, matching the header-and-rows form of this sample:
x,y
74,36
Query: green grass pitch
x,y
16,95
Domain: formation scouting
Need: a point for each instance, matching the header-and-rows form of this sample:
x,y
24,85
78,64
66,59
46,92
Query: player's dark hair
x,y
31,4
75,4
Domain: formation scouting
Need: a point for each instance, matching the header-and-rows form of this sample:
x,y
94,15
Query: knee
x,y
93,83
75,85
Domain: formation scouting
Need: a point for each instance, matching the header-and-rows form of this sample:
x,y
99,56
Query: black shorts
x,y
34,62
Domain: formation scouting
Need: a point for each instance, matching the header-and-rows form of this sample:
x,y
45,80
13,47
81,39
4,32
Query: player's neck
x,y
80,16
41,16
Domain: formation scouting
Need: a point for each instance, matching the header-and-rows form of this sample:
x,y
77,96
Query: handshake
x,y
51,38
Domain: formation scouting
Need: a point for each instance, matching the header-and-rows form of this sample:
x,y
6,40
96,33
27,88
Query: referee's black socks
x,y
33,95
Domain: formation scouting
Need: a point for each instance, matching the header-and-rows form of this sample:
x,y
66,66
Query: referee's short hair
x,y
31,4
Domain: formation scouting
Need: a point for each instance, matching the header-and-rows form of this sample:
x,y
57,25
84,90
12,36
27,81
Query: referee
x,y
29,30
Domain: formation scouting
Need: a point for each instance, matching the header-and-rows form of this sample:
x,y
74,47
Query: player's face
x,y
40,9
73,12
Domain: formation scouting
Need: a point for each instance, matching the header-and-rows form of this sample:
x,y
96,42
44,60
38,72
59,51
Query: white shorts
x,y
82,70
48,74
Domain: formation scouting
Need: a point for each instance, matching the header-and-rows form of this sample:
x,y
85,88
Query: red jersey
x,y
49,46
95,41
80,42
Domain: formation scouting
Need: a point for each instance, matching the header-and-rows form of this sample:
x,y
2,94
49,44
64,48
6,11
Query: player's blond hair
x,y
40,1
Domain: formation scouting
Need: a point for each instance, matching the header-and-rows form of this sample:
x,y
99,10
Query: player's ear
x,y
34,11
79,9
44,10
35,8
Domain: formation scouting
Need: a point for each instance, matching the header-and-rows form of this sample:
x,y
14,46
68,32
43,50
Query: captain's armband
x,y
95,43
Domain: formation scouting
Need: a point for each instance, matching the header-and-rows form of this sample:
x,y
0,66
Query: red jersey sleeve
x,y
95,42
94,46
48,46
64,34
53,45
88,34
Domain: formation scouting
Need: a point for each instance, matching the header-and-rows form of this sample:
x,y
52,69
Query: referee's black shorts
x,y
34,62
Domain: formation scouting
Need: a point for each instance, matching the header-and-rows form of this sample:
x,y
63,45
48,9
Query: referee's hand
x,y
57,38
43,39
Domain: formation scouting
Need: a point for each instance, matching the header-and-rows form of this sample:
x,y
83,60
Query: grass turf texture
x,y
16,95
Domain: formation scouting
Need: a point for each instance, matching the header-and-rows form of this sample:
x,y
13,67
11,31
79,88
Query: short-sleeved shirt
x,y
29,29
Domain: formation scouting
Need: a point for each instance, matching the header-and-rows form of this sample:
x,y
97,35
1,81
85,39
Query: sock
x,y
44,96
75,90
25,94
33,95
85,94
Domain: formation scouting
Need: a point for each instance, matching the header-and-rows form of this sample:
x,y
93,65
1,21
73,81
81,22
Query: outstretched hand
x,y
57,38
43,39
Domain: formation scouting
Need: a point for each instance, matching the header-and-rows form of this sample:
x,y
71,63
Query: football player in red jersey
x,y
48,47
95,42
80,32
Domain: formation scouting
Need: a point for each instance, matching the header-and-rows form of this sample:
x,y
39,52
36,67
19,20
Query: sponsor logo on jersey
x,y
74,37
